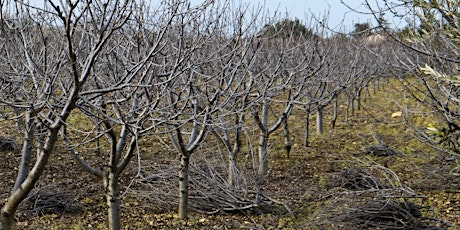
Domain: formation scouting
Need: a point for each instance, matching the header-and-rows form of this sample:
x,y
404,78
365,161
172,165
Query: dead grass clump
x,y
8,145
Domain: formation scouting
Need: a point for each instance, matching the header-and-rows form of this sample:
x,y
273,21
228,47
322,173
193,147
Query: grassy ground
x,y
312,182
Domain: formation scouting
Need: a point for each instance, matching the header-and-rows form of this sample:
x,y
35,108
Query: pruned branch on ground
x,y
7,144
372,196
210,191
381,150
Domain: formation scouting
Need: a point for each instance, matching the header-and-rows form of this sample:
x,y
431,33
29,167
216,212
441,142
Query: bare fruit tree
x,y
288,58
49,55
205,52
117,106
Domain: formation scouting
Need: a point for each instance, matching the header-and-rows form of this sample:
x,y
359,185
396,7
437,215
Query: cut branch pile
x,y
381,150
209,190
47,200
7,145
371,196
354,178
391,214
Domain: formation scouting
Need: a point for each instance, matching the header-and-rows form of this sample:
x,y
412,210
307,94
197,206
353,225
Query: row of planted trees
x,y
101,76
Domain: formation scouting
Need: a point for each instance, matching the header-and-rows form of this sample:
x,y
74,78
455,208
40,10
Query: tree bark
x,y
7,218
287,137
352,105
26,151
307,128
263,155
183,186
8,211
358,98
336,108
110,181
231,180
319,121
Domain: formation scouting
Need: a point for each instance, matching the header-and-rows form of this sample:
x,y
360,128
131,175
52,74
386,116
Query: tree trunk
x,y
358,99
287,137
7,218
352,104
8,211
263,155
263,142
307,126
347,112
319,121
183,186
110,180
336,108
232,169
26,152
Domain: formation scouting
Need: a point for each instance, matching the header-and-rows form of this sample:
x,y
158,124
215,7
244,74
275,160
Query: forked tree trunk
x,y
112,194
265,132
183,186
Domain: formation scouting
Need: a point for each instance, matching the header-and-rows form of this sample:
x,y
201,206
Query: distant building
x,y
376,38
